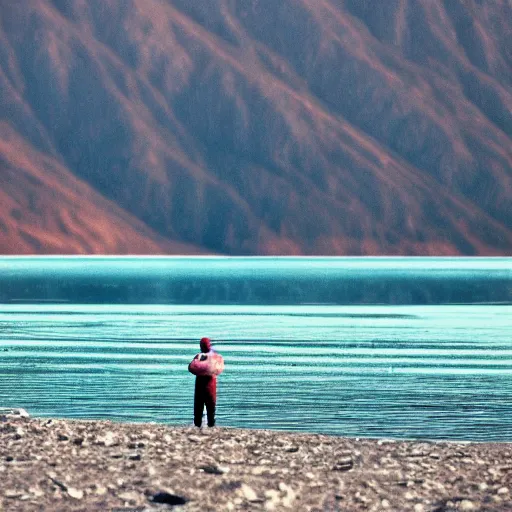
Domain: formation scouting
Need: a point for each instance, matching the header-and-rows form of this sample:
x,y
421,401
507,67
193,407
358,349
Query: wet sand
x,y
67,465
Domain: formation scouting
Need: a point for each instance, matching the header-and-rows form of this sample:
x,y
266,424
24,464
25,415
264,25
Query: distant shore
x,y
53,464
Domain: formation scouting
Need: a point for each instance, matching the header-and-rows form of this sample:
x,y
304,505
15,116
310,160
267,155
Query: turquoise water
x,y
406,371
256,280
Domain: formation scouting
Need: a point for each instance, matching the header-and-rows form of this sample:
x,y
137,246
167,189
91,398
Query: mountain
x,y
50,211
256,127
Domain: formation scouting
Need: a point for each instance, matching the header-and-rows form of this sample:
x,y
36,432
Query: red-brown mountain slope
x,y
264,127
46,209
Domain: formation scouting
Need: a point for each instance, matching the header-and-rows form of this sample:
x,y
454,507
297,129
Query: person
x,y
205,393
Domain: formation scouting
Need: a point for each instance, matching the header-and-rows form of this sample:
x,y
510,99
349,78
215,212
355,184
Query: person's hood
x,y
205,344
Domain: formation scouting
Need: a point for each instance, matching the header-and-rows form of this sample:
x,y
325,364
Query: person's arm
x,y
190,364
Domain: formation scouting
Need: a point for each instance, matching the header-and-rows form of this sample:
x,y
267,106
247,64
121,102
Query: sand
x,y
54,464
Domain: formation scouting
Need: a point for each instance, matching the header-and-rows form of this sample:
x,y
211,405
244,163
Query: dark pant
x,y
205,394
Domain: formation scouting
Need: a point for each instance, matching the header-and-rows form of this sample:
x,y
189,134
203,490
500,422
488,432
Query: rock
x,y
283,487
37,492
344,464
502,490
129,496
58,483
248,493
272,494
466,505
195,439
214,470
287,500
62,437
13,493
108,439
273,499
100,490
78,494
133,446
385,504
168,498
16,412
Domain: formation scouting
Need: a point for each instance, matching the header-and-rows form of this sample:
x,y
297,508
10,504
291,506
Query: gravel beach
x,y
68,465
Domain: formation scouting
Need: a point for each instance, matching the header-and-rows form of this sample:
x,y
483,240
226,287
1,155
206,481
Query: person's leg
x,y
199,400
210,400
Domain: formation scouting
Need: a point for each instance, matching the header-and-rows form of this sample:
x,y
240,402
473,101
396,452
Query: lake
x,y
434,371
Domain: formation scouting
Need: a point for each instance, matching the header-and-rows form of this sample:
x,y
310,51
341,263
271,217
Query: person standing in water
x,y
205,366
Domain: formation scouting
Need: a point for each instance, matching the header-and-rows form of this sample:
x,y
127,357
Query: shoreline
x,y
62,464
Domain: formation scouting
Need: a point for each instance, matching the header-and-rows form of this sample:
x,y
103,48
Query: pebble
x,y
129,496
503,490
344,464
214,469
12,493
288,500
273,499
36,491
78,494
248,493
168,498
100,490
466,505
108,439
419,507
385,504
20,413
148,435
